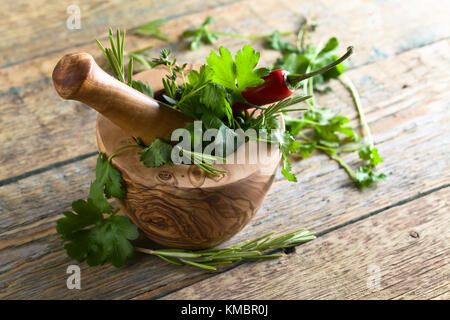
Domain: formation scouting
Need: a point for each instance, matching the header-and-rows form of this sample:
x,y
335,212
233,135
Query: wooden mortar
x,y
174,205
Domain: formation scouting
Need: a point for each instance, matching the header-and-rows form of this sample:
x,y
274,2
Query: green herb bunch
x,y
96,234
322,128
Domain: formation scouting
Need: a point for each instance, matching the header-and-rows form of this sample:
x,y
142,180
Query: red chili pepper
x,y
279,84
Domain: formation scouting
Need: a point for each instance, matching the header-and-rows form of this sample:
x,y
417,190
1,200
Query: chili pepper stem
x,y
293,80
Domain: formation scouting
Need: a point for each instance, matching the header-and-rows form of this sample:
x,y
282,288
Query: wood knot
x,y
414,234
166,177
196,176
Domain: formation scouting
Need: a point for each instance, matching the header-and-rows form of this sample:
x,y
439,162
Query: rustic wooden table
x,y
395,235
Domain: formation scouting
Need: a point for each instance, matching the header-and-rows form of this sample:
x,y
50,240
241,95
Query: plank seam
x,y
168,18
47,168
318,235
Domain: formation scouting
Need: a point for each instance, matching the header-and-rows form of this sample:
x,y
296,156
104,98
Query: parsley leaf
x,y
224,68
365,177
143,87
370,154
246,61
276,43
108,240
237,75
108,182
201,34
286,169
156,154
152,29
86,214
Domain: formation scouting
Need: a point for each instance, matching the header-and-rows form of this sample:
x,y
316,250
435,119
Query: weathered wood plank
x,y
401,253
409,126
38,128
40,26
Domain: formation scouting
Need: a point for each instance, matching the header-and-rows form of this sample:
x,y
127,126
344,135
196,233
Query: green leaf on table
x,y
371,155
108,240
86,214
201,34
108,182
365,177
276,43
152,29
156,154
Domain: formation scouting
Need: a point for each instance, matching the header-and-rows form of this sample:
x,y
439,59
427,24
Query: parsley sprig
x,y
321,128
93,229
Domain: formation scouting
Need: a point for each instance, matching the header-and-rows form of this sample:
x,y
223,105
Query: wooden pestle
x,y
78,77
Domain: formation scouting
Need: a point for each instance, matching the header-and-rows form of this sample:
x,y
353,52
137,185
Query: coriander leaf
x,y
224,68
293,62
210,121
365,177
199,78
371,155
108,240
213,97
86,214
286,170
202,34
156,154
108,182
78,247
152,29
286,141
272,122
331,45
246,60
143,87
307,148
277,44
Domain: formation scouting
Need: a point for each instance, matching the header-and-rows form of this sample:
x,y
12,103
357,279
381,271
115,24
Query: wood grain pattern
x,y
33,38
401,253
405,97
412,120
32,113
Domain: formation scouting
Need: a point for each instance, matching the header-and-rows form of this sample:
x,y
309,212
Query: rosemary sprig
x,y
246,250
115,56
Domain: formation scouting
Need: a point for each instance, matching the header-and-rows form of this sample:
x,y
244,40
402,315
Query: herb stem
x,y
345,80
342,163
121,149
249,36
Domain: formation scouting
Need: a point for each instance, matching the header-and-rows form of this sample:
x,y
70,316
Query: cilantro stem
x,y
121,149
356,99
342,163
249,36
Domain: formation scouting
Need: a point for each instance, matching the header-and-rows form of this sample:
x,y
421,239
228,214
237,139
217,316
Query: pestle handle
x,y
78,77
